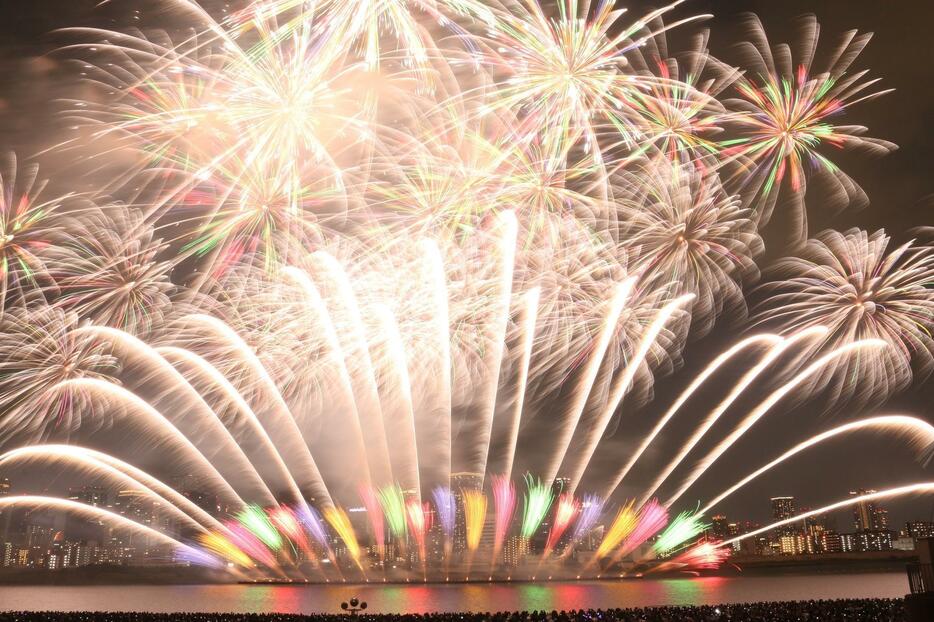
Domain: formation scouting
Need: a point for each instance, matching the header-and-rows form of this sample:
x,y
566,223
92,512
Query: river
x,y
455,597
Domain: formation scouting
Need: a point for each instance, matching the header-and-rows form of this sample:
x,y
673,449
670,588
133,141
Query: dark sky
x,y
900,187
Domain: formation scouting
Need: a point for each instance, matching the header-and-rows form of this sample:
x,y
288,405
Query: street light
x,y
353,606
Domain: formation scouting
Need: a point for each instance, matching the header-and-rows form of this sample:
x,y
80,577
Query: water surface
x,y
459,597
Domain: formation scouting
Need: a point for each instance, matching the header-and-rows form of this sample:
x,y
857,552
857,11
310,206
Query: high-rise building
x,y
816,524
783,507
89,495
515,550
873,540
793,544
719,527
5,486
868,515
38,536
919,529
830,542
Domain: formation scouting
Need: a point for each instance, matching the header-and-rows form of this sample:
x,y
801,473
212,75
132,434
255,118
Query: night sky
x,y
900,188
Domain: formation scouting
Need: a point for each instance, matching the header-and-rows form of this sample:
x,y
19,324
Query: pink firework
x,y
707,555
374,513
652,518
283,517
566,511
504,500
419,515
250,544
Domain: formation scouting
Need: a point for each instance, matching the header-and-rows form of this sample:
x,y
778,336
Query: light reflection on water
x,y
455,597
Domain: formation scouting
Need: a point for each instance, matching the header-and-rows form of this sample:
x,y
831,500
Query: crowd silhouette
x,y
850,610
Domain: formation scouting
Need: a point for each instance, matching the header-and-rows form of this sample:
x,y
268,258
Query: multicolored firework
x,y
27,228
707,555
621,527
106,270
39,350
397,250
652,518
785,118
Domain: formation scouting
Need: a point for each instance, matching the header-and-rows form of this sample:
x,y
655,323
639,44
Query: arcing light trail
x,y
770,356
408,518
920,433
760,411
898,491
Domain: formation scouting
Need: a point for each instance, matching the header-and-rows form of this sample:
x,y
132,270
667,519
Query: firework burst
x,y
27,228
859,287
107,270
786,116
39,349
683,228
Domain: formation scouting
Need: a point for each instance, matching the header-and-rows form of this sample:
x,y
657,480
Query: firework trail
x,y
311,520
685,526
92,513
504,505
475,504
249,543
446,507
393,503
909,489
763,408
222,547
287,523
591,511
419,515
338,520
920,436
618,389
535,505
566,510
699,380
374,514
652,519
254,518
708,555
778,348
621,527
